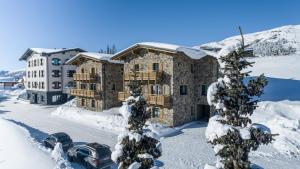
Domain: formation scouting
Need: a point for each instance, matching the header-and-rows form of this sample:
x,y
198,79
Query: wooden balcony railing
x,y
84,93
83,76
160,100
144,75
122,96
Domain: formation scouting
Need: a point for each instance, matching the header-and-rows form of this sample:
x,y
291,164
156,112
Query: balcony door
x,y
156,89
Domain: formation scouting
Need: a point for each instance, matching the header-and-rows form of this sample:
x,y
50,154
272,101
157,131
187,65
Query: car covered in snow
x,y
62,138
91,155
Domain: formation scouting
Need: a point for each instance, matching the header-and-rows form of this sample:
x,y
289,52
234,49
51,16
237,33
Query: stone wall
x,y
107,74
183,75
112,84
206,72
178,70
145,59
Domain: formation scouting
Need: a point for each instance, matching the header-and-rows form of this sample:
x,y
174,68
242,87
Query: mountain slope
x,y
279,41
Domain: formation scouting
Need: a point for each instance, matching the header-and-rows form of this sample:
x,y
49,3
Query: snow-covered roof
x,y
191,52
94,56
47,51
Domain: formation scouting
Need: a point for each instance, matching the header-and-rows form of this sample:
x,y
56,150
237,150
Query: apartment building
x,y
174,80
47,76
98,79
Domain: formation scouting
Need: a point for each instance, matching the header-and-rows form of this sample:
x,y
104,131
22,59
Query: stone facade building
x,y
97,81
174,79
47,75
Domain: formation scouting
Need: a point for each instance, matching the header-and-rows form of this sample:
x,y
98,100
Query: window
x,y
41,62
28,84
34,74
42,73
113,87
34,63
42,98
155,112
155,67
144,67
70,73
93,103
82,102
93,86
183,90
82,86
56,98
71,84
56,85
55,61
28,63
204,90
156,89
42,85
93,71
82,70
192,68
136,67
55,73
28,74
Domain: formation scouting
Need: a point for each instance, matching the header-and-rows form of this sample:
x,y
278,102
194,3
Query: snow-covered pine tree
x,y
231,131
136,148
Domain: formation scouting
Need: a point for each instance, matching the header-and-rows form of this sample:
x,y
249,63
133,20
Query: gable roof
x,y
47,51
94,56
191,52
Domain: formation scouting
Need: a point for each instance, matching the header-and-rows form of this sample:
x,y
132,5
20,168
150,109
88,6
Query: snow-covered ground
x,y
184,147
16,146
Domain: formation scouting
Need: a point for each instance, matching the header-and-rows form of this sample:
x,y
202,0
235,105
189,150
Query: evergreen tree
x,y
136,146
231,131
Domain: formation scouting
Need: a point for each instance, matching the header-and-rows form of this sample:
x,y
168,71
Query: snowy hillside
x,y
12,75
275,42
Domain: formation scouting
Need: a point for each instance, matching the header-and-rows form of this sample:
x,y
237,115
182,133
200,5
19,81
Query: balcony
x,y
144,75
159,100
83,76
84,93
122,96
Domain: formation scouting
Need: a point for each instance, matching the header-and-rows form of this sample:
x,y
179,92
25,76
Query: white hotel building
x,y
47,75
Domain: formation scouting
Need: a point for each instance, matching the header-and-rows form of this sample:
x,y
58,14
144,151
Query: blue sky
x,y
92,24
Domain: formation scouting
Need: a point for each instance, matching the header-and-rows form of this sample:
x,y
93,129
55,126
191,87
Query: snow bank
x,y
59,156
282,118
19,150
110,120
161,130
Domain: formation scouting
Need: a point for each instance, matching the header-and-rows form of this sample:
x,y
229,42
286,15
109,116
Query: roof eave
x,y
119,55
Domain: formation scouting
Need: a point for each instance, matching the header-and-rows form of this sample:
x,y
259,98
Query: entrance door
x,y
35,98
203,112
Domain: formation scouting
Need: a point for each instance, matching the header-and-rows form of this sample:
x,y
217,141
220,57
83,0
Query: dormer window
x,y
56,61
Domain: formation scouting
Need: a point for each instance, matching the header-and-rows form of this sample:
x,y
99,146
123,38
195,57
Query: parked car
x,y
62,138
92,155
